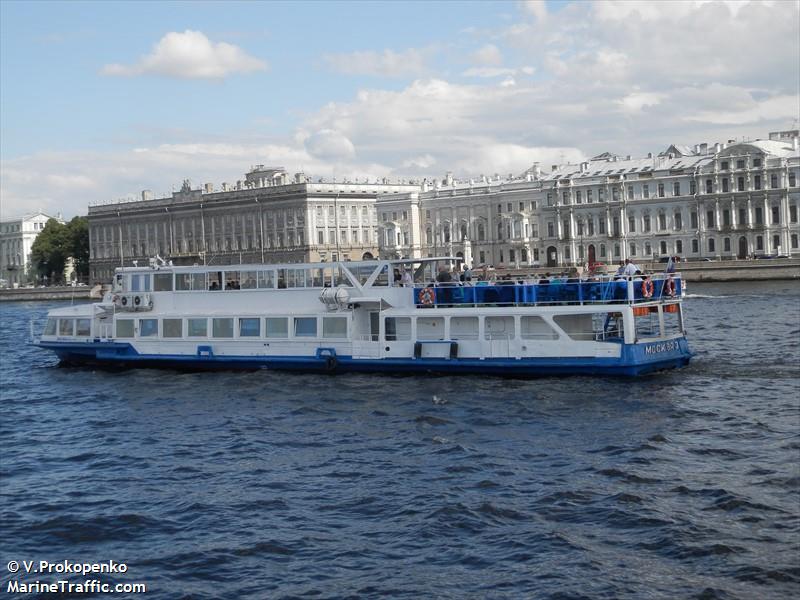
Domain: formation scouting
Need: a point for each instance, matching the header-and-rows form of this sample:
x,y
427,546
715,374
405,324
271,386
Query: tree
x,y
78,240
50,251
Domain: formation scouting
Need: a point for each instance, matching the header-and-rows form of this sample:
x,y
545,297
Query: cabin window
x,y
276,327
140,283
250,327
198,327
672,319
315,278
305,327
222,328
172,328
536,328
215,281
430,328
499,328
266,279
66,327
647,325
398,329
248,280
577,327
464,328
232,280
124,328
83,327
162,282
50,327
334,327
148,327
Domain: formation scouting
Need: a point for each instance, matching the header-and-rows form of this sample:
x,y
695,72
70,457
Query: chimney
x,y
298,178
628,157
649,155
584,167
208,188
147,195
717,148
703,148
225,186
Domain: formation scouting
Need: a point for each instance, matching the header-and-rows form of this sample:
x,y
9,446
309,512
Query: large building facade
x,y
268,217
731,200
16,240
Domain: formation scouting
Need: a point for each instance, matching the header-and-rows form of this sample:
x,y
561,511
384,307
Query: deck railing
x,y
512,293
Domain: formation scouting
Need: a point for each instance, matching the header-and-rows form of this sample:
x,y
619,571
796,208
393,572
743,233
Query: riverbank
x,y
64,292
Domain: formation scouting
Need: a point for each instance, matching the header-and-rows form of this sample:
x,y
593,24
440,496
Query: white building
x,y
16,238
730,200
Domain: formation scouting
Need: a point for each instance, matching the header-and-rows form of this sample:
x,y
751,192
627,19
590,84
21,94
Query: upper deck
x,y
399,283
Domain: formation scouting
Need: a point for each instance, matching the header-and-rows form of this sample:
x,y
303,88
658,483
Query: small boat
x,y
387,316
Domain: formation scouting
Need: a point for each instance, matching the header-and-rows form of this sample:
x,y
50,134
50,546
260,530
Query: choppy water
x,y
269,485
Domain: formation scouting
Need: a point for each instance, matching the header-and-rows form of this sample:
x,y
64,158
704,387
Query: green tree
x,y
78,239
50,251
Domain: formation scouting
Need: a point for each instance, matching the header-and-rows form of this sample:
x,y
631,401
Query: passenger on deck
x,y
214,286
397,277
630,268
406,280
545,280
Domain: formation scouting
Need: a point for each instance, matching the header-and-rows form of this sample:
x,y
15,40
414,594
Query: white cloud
x,y
411,62
330,144
190,55
423,162
489,55
535,8
636,101
497,71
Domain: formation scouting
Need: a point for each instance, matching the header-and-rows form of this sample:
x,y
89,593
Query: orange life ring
x,y
647,288
669,287
426,296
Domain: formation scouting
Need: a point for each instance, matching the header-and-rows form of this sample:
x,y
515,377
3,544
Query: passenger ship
x,y
357,316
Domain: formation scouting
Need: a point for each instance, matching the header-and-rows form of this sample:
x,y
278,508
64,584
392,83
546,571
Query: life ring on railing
x,y
669,287
426,296
648,288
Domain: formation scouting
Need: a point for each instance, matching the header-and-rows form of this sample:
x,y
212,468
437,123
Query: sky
x,y
101,100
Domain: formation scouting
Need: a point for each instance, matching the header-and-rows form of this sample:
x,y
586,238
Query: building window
x,y
616,250
725,184
694,220
660,190
549,199
773,181
551,229
740,184
632,249
742,217
723,165
695,246
759,242
578,199
615,194
793,213
676,188
602,250
709,186
776,243
794,240
678,217
645,191
726,218
647,223
711,245
679,246
759,216
601,194
589,196
512,256
692,187
757,182
726,244
663,247
740,164
662,222
590,225
648,249
792,179
776,215
710,219
756,162
631,225
615,224
601,225
630,192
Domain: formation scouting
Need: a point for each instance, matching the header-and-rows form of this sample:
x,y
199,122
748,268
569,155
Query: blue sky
x,y
99,100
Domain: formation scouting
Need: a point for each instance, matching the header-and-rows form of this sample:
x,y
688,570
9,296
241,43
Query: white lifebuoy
x,y
426,296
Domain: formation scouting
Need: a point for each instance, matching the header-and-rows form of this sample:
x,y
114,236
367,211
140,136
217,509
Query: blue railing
x,y
513,294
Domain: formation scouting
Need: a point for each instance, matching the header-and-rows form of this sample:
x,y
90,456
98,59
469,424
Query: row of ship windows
x,y
577,327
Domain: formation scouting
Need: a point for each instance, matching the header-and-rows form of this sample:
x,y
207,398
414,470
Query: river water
x,y
684,484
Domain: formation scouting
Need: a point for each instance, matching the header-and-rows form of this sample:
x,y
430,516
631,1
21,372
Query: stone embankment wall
x,y
51,293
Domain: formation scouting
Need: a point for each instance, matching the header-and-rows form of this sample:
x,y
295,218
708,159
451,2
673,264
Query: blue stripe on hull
x,y
635,360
